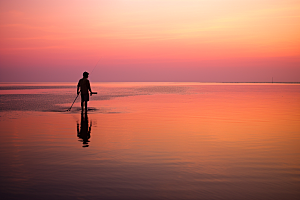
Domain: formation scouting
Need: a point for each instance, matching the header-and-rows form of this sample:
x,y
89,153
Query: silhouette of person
x,y
84,132
84,88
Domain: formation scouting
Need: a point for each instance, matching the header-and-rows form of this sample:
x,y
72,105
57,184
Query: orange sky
x,y
149,40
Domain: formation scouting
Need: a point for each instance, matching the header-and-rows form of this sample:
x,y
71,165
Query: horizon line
x,y
289,82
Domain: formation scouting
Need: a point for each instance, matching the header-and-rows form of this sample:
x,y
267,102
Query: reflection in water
x,y
84,132
206,141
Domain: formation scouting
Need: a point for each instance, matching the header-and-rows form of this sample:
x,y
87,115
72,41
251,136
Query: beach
x,y
153,140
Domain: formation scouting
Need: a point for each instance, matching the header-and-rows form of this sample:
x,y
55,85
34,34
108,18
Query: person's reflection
x,y
84,132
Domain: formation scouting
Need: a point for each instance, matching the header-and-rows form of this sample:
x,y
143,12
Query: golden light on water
x,y
172,140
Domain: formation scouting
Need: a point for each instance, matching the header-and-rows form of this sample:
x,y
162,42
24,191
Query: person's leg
x,y
85,106
82,100
81,106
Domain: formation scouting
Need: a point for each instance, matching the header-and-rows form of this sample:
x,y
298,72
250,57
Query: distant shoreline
x,y
145,82
265,82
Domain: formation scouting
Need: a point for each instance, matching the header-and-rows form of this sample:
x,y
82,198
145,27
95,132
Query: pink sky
x,y
150,40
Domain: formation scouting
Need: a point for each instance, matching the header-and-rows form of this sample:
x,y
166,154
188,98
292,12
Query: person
x,y
84,88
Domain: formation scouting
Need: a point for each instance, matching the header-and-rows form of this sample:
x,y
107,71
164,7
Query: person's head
x,y
85,74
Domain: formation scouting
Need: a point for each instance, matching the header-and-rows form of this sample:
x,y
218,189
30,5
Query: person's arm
x,y
89,88
78,87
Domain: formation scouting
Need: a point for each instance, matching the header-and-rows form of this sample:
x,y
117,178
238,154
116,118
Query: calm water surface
x,y
150,141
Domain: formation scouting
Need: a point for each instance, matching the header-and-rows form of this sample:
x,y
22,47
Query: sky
x,y
150,40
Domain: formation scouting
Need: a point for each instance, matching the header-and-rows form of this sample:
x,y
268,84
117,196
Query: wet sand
x,y
153,141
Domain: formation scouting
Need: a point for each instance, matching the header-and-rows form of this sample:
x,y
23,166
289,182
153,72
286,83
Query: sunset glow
x,y
149,40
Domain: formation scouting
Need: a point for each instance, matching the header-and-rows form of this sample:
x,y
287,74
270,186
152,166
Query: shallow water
x,y
150,141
